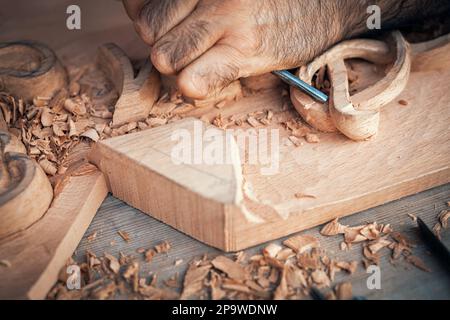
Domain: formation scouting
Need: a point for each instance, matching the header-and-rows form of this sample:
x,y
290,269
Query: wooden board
x,y
410,154
37,253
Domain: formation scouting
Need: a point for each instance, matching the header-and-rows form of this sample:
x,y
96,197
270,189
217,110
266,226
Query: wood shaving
x,y
92,237
163,247
302,243
231,268
272,250
333,228
194,279
91,134
443,218
125,236
114,264
295,141
312,138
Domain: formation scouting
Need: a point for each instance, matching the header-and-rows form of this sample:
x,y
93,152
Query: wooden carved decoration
x,y
137,95
30,69
25,191
355,116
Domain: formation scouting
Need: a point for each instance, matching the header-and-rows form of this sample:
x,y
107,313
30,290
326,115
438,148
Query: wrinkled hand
x,y
210,43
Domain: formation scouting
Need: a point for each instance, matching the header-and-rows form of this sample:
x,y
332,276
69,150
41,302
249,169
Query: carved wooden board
x,y
37,253
411,153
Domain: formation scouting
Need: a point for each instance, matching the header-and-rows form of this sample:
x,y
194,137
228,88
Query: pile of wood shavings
x,y
279,272
374,237
286,271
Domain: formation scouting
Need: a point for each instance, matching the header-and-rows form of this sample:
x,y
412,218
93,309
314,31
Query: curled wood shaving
x,y
333,228
443,218
114,264
194,279
231,268
272,250
302,243
74,107
48,167
91,134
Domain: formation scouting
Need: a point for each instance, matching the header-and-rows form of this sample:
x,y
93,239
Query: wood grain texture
x,y
141,170
410,154
37,254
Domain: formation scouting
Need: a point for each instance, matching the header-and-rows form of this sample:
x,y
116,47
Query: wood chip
x,y
114,264
91,134
312,138
48,167
295,141
194,279
333,228
443,218
163,247
74,107
272,250
302,243
253,122
46,117
125,236
92,237
231,268
300,195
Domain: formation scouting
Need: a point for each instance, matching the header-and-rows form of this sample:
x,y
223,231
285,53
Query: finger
x,y
157,17
132,7
214,70
185,43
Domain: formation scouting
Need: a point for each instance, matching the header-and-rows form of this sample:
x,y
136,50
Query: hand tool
x,y
357,116
294,81
434,243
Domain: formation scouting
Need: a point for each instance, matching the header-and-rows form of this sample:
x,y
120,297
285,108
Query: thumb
x,y
211,72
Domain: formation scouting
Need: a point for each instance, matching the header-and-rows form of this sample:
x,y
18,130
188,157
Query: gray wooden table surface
x,y
401,281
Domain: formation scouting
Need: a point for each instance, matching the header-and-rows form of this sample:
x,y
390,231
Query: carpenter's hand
x,y
210,43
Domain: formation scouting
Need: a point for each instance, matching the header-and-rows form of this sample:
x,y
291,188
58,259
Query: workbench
x,y
105,21
397,282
